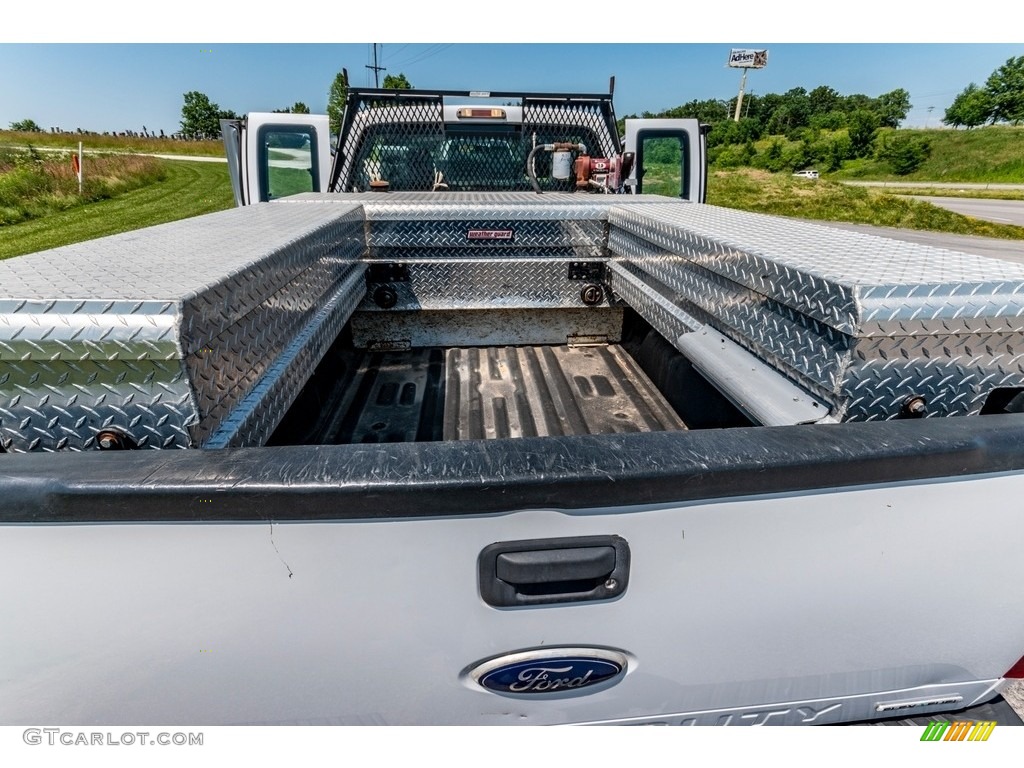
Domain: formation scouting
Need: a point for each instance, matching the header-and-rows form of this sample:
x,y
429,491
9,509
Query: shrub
x,y
28,126
837,150
729,156
904,153
863,127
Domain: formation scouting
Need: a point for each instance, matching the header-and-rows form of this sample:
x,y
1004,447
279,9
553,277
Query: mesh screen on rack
x,y
405,141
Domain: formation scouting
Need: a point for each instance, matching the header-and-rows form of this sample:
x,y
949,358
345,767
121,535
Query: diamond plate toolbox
x,y
865,322
483,250
165,334
499,225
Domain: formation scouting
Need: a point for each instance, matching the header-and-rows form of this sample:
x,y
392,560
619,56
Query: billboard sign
x,y
748,58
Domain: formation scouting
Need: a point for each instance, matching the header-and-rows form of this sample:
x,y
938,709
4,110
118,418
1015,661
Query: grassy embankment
x,y
823,200
990,155
183,189
34,184
782,194
112,143
39,202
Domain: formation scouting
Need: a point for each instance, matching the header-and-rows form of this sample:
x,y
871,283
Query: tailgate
x,y
341,585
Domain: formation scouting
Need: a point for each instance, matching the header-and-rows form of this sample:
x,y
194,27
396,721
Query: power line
x,y
434,53
400,49
424,55
413,57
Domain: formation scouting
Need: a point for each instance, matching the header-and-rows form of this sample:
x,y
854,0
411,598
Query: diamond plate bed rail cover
x,y
459,206
863,321
158,334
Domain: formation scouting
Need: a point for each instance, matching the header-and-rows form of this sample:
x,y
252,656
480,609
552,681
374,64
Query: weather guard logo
x,y
959,731
491,234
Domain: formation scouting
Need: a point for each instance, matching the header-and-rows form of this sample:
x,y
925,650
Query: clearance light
x,y
490,114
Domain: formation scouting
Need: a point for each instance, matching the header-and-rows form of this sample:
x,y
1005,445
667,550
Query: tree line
x,y
791,113
829,127
200,117
1000,100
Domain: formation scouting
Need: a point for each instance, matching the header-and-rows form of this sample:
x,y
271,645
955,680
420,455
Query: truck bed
x,y
786,569
477,393
794,323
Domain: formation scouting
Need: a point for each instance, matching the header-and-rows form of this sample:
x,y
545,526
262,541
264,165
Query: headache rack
x,y
415,140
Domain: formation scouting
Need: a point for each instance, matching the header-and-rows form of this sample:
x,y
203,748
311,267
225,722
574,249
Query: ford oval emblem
x,y
550,670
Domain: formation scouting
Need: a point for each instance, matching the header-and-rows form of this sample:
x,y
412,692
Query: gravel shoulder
x,y
1014,696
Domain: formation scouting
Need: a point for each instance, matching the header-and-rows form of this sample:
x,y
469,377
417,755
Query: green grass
x,y
783,195
993,154
988,155
112,143
189,189
661,179
289,181
34,185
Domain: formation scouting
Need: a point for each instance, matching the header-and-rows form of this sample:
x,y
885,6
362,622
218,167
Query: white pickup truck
x,y
465,426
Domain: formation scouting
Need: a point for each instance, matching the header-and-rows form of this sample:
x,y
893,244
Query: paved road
x,y
1008,250
999,211
931,185
195,158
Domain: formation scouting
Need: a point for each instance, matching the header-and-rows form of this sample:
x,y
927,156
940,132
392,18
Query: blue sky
x,y
106,84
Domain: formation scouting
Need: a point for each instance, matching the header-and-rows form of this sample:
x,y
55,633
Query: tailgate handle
x,y
544,571
556,565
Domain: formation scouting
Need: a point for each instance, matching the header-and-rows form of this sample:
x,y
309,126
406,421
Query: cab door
x,y
273,155
670,158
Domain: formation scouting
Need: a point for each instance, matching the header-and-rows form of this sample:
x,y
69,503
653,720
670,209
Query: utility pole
x,y
376,70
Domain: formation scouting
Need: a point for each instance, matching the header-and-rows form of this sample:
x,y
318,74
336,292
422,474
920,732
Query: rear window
x,y
417,158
